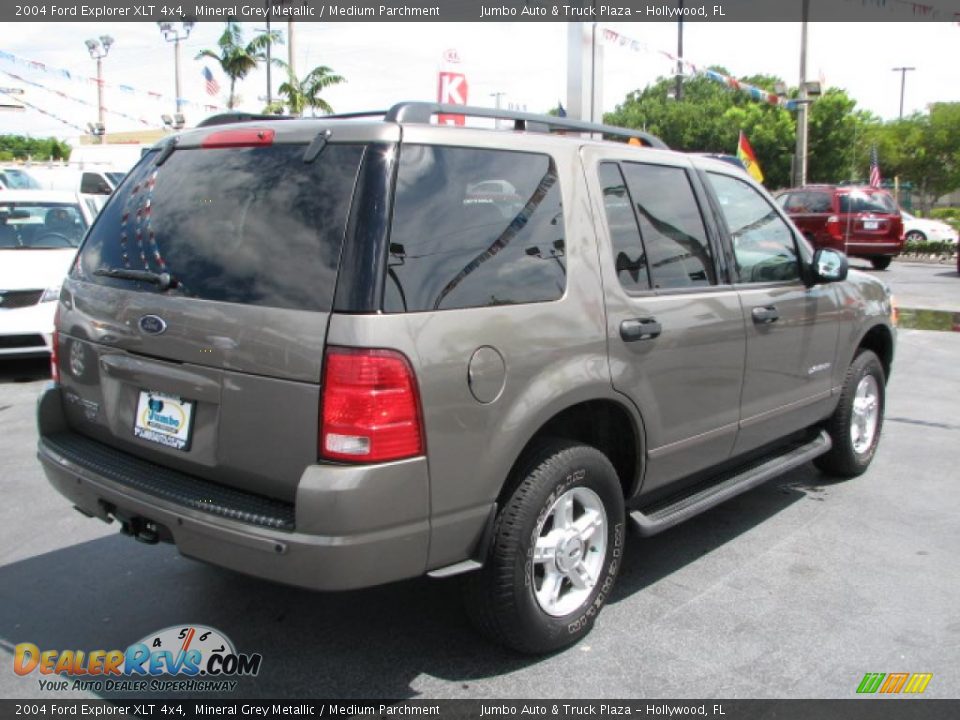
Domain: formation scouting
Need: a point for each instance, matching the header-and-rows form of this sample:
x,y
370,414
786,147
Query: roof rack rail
x,y
238,117
421,112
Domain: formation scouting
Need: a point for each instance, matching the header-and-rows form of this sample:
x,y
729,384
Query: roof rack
x,y
421,112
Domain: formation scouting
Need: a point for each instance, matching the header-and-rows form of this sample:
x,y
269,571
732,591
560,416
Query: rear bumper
x,y
355,526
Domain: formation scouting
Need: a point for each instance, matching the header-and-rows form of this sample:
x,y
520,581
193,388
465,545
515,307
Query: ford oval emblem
x,y
152,325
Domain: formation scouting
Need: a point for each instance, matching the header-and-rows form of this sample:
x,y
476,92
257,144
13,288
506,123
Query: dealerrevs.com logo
x,y
200,658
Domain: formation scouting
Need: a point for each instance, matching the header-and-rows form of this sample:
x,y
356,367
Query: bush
x,y
949,214
929,248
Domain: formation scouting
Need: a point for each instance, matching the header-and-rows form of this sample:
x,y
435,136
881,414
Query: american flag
x,y
874,168
213,87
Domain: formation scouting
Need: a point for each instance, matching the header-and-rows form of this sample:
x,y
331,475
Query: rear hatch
x,y
869,217
192,326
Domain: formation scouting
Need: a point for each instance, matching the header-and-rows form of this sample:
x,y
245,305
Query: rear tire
x,y
557,547
915,236
855,425
881,262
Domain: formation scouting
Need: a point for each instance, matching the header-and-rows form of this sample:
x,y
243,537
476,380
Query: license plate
x,y
164,419
871,224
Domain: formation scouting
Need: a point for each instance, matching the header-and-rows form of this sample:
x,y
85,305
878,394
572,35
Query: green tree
x,y
304,93
923,150
832,131
21,147
710,117
236,59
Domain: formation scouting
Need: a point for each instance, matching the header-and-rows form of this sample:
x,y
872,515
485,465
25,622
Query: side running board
x,y
661,518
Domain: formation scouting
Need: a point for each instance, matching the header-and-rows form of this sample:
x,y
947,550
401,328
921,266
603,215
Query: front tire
x,y
915,236
881,262
855,425
557,547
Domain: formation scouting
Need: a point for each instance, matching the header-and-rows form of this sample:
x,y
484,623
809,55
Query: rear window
x,y
865,201
474,228
257,226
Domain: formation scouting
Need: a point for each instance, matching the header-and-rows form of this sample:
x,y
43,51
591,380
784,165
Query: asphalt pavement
x,y
795,589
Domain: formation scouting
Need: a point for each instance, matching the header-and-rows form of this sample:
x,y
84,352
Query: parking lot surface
x,y
795,589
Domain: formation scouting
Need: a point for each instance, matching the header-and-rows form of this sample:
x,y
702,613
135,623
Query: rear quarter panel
x,y
555,355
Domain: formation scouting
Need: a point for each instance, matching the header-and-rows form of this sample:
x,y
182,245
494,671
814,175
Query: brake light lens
x,y
833,228
370,407
55,350
247,137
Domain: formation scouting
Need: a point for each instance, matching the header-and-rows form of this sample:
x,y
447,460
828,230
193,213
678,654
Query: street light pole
x,y
903,83
800,161
99,48
174,34
679,93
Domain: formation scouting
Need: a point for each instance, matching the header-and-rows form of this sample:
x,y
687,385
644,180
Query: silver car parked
x,y
339,352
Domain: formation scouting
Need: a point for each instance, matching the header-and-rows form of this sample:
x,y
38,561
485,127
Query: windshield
x,y
115,177
18,180
40,226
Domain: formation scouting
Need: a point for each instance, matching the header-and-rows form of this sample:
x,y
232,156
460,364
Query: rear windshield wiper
x,y
164,281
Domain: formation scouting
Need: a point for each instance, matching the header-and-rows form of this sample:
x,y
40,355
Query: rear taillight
x,y
55,347
833,228
370,407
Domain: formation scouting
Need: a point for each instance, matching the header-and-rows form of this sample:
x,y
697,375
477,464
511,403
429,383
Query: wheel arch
x,y
879,340
602,423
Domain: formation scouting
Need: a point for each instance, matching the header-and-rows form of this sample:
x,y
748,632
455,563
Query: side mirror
x,y
830,265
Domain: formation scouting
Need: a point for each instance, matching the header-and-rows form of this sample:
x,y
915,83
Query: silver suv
x,y
343,351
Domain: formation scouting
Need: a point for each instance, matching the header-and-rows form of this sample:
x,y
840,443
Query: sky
x,y
389,62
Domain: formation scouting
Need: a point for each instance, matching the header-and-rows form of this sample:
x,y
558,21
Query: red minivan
x,y
863,222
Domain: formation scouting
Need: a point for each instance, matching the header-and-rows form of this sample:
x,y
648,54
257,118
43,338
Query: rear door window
x,y
629,258
805,202
474,228
257,226
674,236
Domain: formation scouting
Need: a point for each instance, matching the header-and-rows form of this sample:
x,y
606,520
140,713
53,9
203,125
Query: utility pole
x,y
800,162
903,83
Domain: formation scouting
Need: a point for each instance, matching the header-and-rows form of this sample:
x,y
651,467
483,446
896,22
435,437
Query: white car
x,y
12,178
923,230
39,235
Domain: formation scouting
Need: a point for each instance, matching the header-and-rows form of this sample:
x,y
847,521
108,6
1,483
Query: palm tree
x,y
305,93
236,59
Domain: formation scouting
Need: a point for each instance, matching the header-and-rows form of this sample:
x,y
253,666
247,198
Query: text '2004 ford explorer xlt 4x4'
x,y
344,351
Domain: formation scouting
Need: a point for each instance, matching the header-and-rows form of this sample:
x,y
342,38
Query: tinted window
x,y
629,258
805,202
473,228
762,242
671,226
867,201
40,225
246,225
